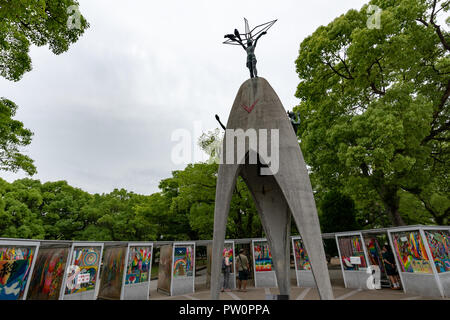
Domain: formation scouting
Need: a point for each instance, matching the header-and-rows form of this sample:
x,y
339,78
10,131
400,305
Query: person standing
x,y
226,269
391,270
244,269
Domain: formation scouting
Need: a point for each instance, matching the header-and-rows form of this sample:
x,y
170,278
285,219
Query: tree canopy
x,y
13,136
337,213
57,23
182,210
375,107
375,135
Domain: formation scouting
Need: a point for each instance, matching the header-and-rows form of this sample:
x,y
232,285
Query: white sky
x,y
103,112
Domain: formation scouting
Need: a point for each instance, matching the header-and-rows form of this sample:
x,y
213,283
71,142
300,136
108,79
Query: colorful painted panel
x,y
410,251
439,242
139,265
48,274
301,257
228,249
15,265
82,274
112,272
165,265
375,254
263,257
351,246
183,261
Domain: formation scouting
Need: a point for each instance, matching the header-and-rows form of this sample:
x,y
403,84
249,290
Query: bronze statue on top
x,y
252,38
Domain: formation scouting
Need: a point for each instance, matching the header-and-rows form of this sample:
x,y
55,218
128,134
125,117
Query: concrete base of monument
x,y
285,192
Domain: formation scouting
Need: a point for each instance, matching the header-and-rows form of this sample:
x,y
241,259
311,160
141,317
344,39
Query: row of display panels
x,y
177,265
34,271
421,256
263,271
411,249
29,270
49,269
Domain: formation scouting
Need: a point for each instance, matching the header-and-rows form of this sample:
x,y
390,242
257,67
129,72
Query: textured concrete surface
x,y
287,192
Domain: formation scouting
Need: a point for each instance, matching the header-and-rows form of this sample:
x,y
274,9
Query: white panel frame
x,y
174,244
420,229
293,238
234,262
433,228
67,261
427,247
350,234
25,244
137,244
70,261
254,263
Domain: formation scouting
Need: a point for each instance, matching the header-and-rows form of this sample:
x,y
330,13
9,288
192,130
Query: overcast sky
x,y
103,113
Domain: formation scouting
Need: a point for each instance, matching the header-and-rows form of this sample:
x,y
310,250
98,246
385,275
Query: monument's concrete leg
x,y
275,218
294,182
226,180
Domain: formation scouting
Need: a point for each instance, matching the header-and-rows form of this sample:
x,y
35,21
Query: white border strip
x,y
136,244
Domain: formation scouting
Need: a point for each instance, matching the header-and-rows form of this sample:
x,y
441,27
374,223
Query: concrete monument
x,y
279,184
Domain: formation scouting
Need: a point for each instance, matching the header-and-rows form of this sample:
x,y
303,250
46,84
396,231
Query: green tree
x,y
337,213
154,213
243,219
58,211
19,205
22,23
375,102
196,197
432,196
62,210
13,136
176,218
118,216
39,22
417,211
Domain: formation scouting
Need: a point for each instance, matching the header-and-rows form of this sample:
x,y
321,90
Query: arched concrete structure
x,y
288,191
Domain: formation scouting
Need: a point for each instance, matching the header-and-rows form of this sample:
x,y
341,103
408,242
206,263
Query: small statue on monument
x,y
295,122
252,40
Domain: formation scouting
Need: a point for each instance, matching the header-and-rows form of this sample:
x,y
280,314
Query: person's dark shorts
x,y
243,275
391,272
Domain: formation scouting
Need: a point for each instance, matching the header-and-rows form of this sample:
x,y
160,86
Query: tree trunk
x,y
391,201
238,221
395,216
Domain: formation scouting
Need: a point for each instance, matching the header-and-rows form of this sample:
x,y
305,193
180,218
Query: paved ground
x,y
296,294
340,292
